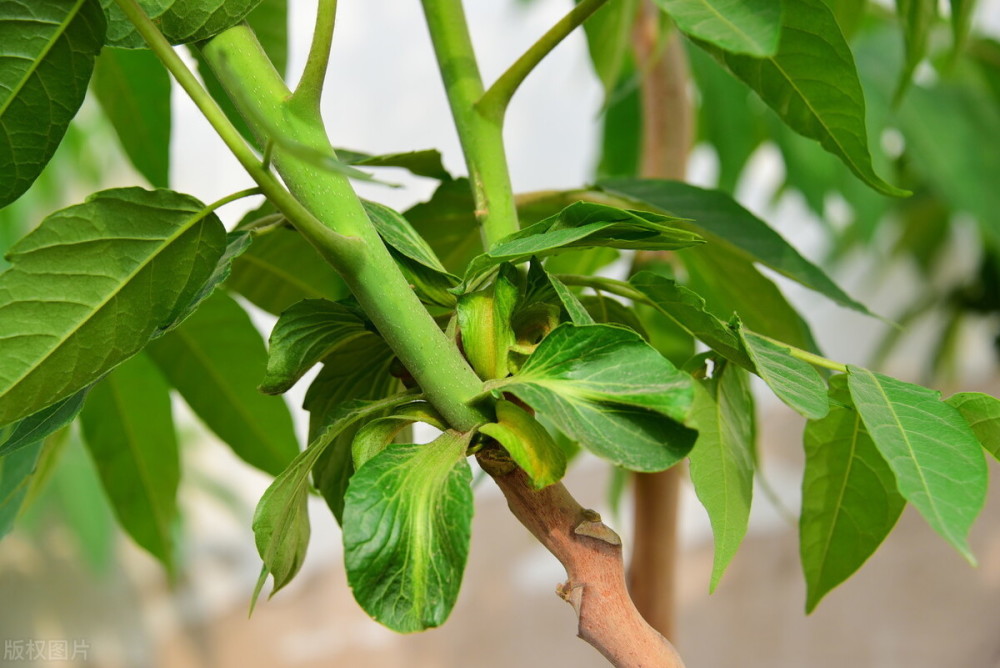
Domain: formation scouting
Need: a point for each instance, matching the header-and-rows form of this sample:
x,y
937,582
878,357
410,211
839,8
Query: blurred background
x,y
68,575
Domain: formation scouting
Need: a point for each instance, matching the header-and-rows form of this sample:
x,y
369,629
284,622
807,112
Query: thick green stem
x,y
481,137
310,88
321,201
494,102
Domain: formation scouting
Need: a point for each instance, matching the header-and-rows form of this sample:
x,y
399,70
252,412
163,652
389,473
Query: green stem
x,y
310,88
219,203
481,137
333,245
494,102
369,270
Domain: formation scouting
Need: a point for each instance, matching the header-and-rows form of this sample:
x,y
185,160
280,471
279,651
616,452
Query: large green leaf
x,y
687,309
722,459
795,382
982,412
281,520
195,20
47,51
741,26
134,90
407,522
605,387
304,335
585,224
280,269
812,83
528,443
92,284
38,426
609,40
849,497
722,222
484,320
936,457
215,360
129,430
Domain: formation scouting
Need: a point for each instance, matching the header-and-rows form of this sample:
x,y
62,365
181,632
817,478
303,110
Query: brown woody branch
x,y
591,553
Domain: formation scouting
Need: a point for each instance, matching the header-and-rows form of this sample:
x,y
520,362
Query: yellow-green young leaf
x,y
849,497
585,225
605,387
812,84
982,412
93,284
281,268
407,522
484,320
129,430
687,309
936,457
303,336
37,426
721,220
133,88
281,520
528,443
215,359
376,436
722,459
795,382
47,51
741,26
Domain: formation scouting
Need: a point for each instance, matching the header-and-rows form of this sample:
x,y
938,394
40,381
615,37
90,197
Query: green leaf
x,y
421,163
47,51
722,222
722,459
578,314
304,335
121,33
917,17
936,457
961,21
484,321
237,243
358,370
687,309
269,21
528,444
448,224
280,269
194,20
813,86
406,534
376,436
609,40
129,430
397,233
38,426
215,360
608,389
982,412
849,497
584,225
740,26
795,382
16,472
74,279
281,520
134,91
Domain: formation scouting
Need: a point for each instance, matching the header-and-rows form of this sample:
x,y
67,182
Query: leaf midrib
x,y
734,27
56,36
